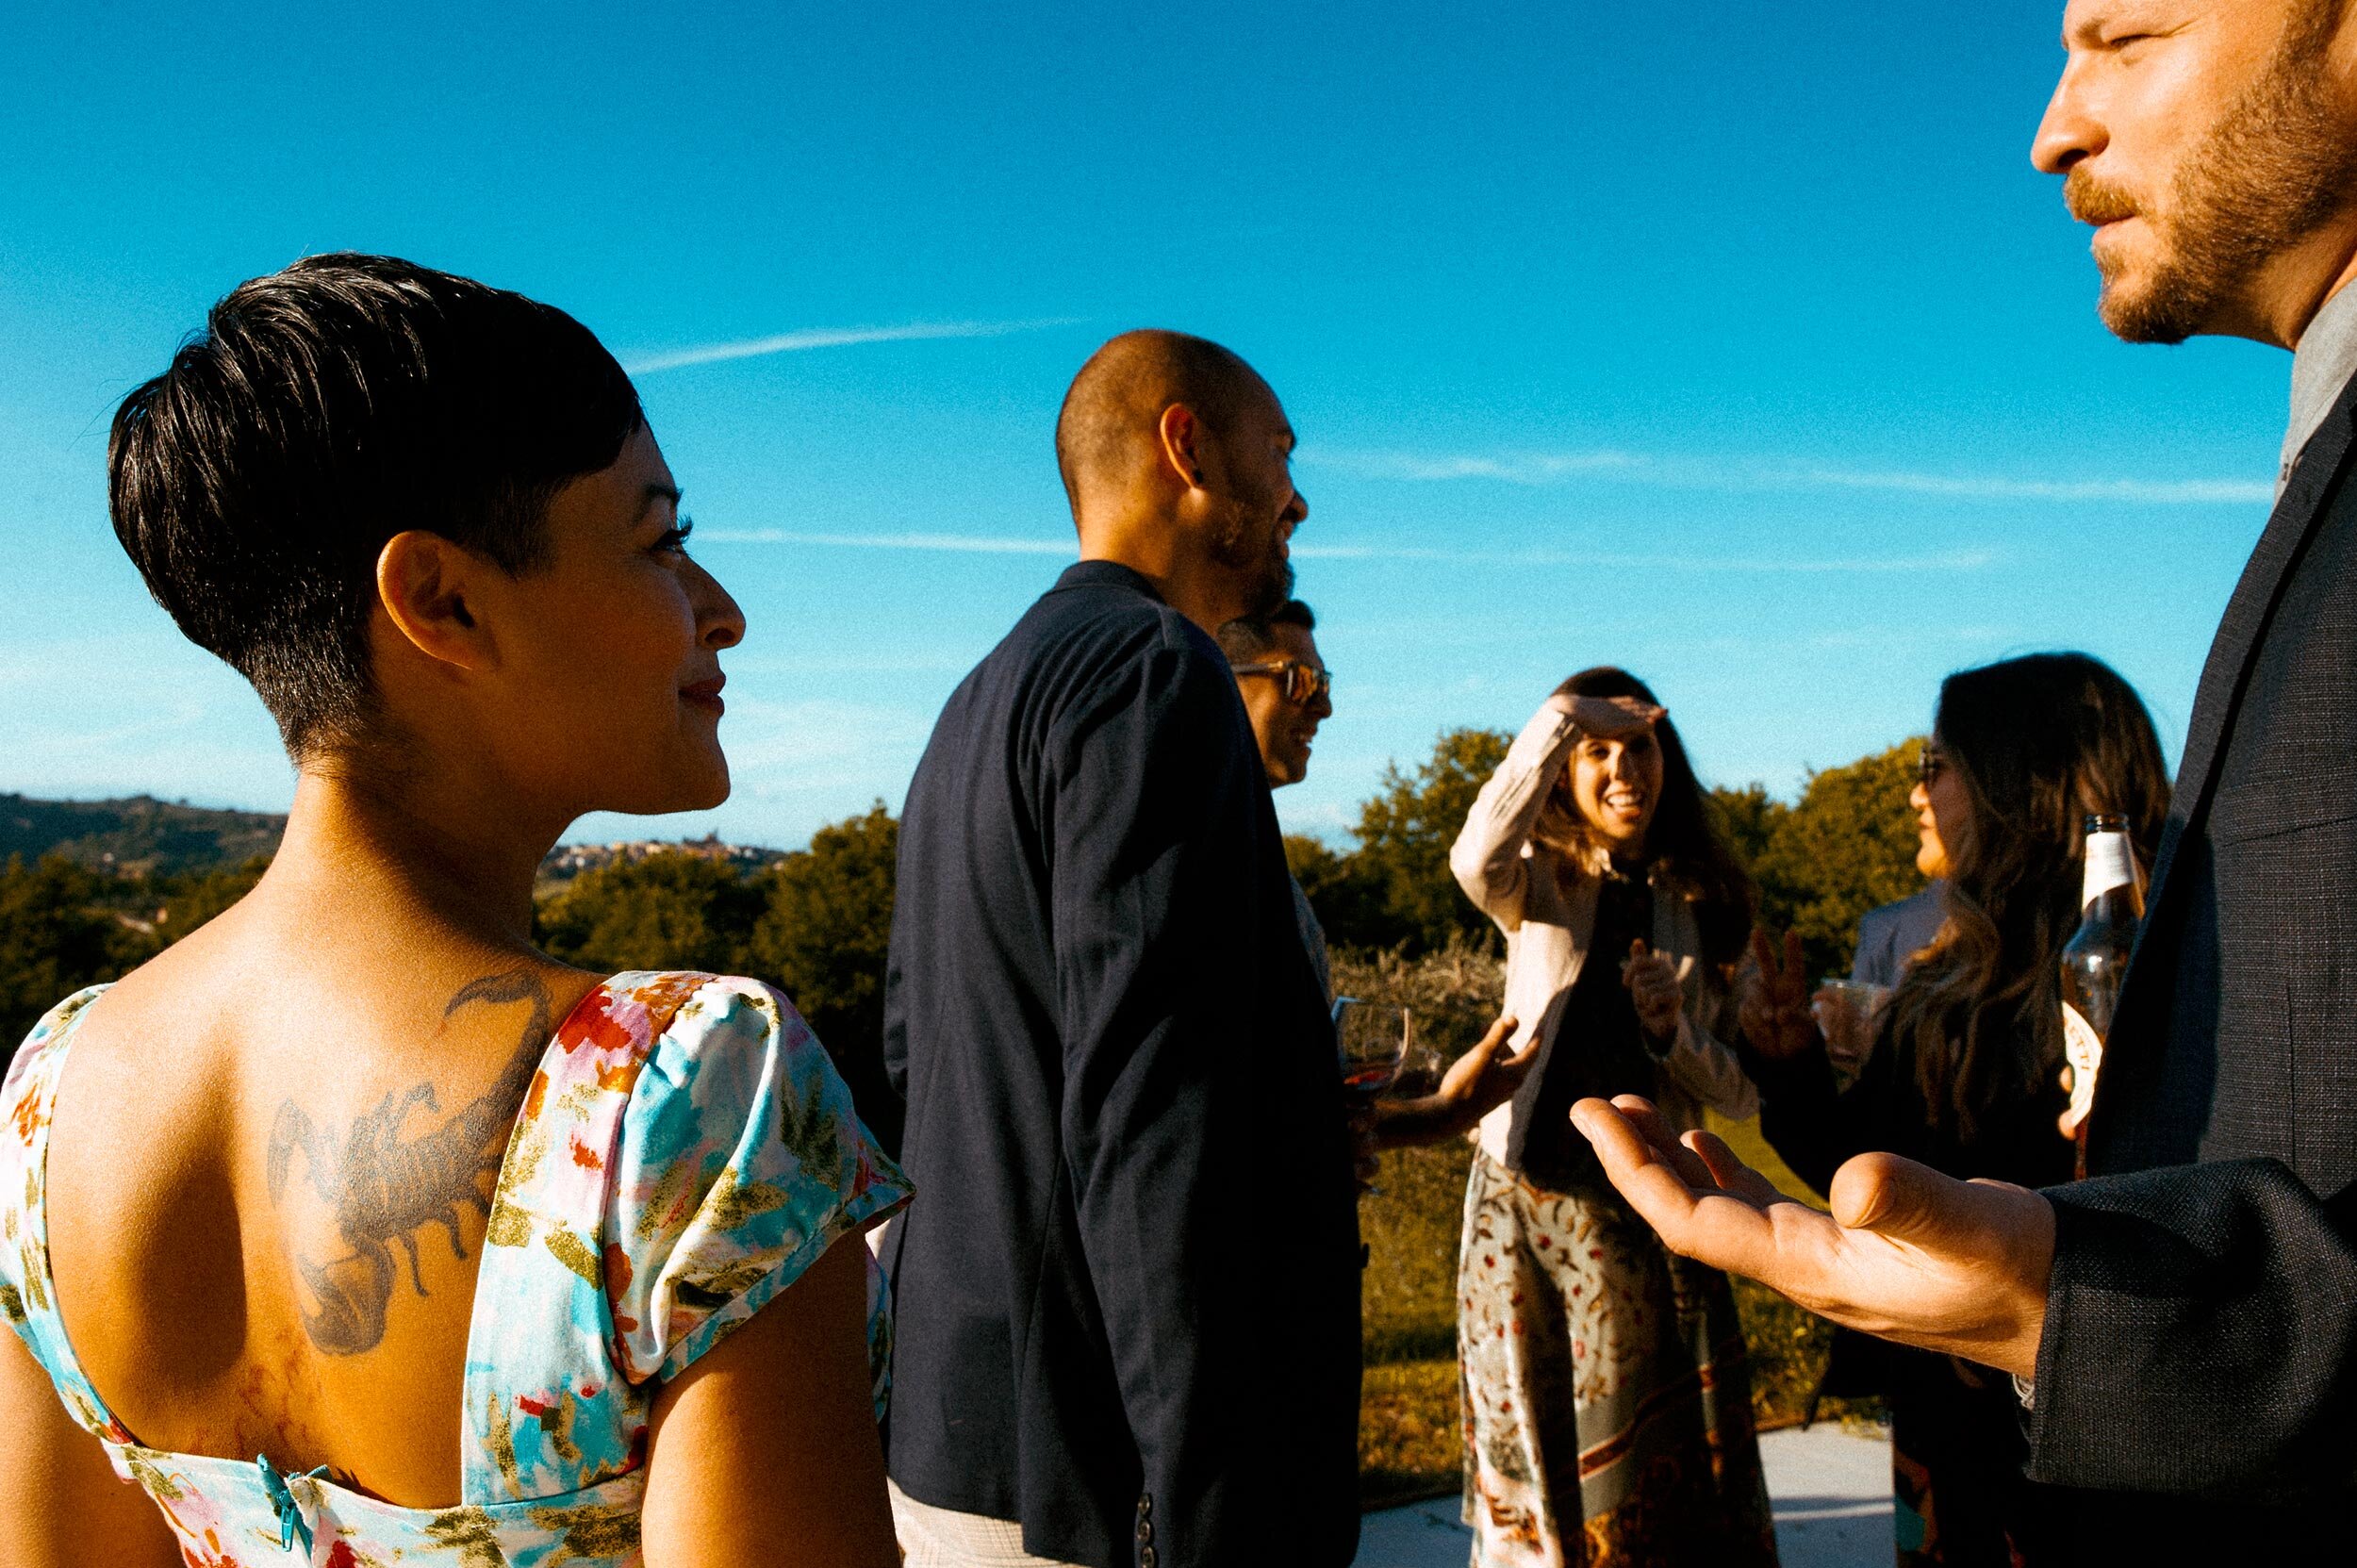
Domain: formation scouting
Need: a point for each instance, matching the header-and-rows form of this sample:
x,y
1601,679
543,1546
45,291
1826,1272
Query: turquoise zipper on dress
x,y
282,1502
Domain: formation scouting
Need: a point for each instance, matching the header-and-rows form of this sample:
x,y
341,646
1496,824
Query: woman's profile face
x,y
1615,784
1943,813
610,652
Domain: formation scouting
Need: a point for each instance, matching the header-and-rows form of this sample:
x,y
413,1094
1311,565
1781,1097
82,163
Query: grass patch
x,y
1409,1445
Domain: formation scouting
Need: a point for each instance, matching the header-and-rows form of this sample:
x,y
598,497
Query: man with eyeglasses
x,y
1287,693
1287,689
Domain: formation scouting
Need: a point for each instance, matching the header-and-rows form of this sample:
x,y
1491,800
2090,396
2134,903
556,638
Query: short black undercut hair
x,y
322,410
1248,637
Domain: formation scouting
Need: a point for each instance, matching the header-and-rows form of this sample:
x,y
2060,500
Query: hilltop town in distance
x,y
140,836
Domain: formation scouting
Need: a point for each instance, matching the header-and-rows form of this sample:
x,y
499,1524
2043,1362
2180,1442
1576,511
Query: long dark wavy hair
x,y
1683,850
2039,743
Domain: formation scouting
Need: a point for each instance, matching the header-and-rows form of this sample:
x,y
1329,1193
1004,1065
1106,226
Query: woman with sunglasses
x,y
1964,1071
1608,1404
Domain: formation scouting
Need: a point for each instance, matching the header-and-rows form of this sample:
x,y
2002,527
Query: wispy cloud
x,y
2156,492
1519,468
830,338
1554,467
1958,560
965,544
976,544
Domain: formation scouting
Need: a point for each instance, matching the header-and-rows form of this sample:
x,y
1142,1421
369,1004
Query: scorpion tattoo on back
x,y
384,1188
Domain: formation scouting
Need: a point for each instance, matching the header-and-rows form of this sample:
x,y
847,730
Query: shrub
x,y
823,937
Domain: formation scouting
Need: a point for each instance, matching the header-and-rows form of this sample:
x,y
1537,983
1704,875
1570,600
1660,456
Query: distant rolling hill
x,y
138,837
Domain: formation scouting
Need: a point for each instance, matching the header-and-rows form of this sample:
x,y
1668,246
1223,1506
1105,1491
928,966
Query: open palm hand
x,y
1906,1253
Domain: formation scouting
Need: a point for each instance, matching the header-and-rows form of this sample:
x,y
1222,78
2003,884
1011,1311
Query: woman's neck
x,y
425,853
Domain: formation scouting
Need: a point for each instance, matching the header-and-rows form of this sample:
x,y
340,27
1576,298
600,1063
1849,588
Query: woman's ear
x,y
426,586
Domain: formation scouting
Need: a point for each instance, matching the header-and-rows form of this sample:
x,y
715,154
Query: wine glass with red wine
x,y
1374,1040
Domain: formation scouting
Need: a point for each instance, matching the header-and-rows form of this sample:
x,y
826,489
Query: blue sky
x,y
1737,344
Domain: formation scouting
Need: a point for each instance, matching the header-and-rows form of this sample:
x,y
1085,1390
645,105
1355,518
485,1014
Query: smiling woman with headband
x,y
1608,1408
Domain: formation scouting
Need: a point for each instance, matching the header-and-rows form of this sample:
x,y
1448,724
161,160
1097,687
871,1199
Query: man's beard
x,y
2276,167
1252,552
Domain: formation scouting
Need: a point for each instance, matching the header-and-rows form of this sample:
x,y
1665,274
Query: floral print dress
x,y
683,1153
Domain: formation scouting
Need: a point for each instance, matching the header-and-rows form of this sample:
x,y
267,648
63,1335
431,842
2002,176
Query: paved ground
x,y
1830,1488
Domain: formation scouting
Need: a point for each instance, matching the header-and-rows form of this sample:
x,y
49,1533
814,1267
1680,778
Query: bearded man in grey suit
x,y
2184,1327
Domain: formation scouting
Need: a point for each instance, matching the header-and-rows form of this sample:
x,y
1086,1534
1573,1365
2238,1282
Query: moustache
x,y
2093,202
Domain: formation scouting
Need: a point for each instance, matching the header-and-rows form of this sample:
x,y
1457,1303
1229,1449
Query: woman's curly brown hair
x,y
2040,743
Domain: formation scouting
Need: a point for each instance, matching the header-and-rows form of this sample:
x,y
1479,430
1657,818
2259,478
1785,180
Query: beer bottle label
x,y
2084,1050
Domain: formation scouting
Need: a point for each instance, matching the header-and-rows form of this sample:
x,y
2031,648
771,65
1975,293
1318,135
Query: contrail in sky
x,y
831,337
981,544
966,544
1554,467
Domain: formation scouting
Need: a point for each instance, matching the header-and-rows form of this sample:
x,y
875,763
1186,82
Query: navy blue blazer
x,y
2201,1326
1128,1293
1891,933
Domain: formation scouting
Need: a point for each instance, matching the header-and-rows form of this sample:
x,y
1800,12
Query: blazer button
x,y
1146,1507
1146,1556
1146,1532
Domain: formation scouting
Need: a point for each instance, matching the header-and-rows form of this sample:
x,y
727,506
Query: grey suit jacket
x,y
1888,936
2202,1329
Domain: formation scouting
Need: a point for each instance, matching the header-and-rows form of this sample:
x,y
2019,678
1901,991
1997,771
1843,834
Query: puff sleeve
x,y
739,1163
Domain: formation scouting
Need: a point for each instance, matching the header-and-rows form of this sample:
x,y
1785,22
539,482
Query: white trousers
x,y
940,1538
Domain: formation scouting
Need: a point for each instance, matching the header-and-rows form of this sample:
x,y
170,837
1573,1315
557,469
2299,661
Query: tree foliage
x,y
823,937
1750,818
53,940
64,926
814,923
1847,846
668,911
1394,890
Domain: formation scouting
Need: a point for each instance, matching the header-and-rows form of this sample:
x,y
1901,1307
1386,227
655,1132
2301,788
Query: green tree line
x,y
814,923
64,926
817,922
1847,845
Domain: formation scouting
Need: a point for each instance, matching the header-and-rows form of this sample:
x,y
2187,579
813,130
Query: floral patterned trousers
x,y
1606,1396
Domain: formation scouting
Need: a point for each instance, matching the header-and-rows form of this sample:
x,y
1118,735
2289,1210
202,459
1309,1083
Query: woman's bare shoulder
x,y
314,1130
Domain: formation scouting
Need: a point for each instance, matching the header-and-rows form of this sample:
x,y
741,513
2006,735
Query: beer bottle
x,y
2095,960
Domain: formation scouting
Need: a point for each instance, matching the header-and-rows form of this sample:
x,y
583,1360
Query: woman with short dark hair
x,y
485,1258
1965,1070
1608,1405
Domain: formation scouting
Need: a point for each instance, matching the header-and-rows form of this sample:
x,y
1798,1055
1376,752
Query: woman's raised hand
x,y
1651,980
1607,717
1773,1010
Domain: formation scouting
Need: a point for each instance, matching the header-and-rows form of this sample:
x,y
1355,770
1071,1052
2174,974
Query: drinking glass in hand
x,y
1847,1013
1373,1040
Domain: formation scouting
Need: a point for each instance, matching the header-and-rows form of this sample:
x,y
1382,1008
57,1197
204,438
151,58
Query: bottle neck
x,y
2111,867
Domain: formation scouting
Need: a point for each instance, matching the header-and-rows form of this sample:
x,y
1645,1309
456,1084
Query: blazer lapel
x,y
2306,501
2139,1028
